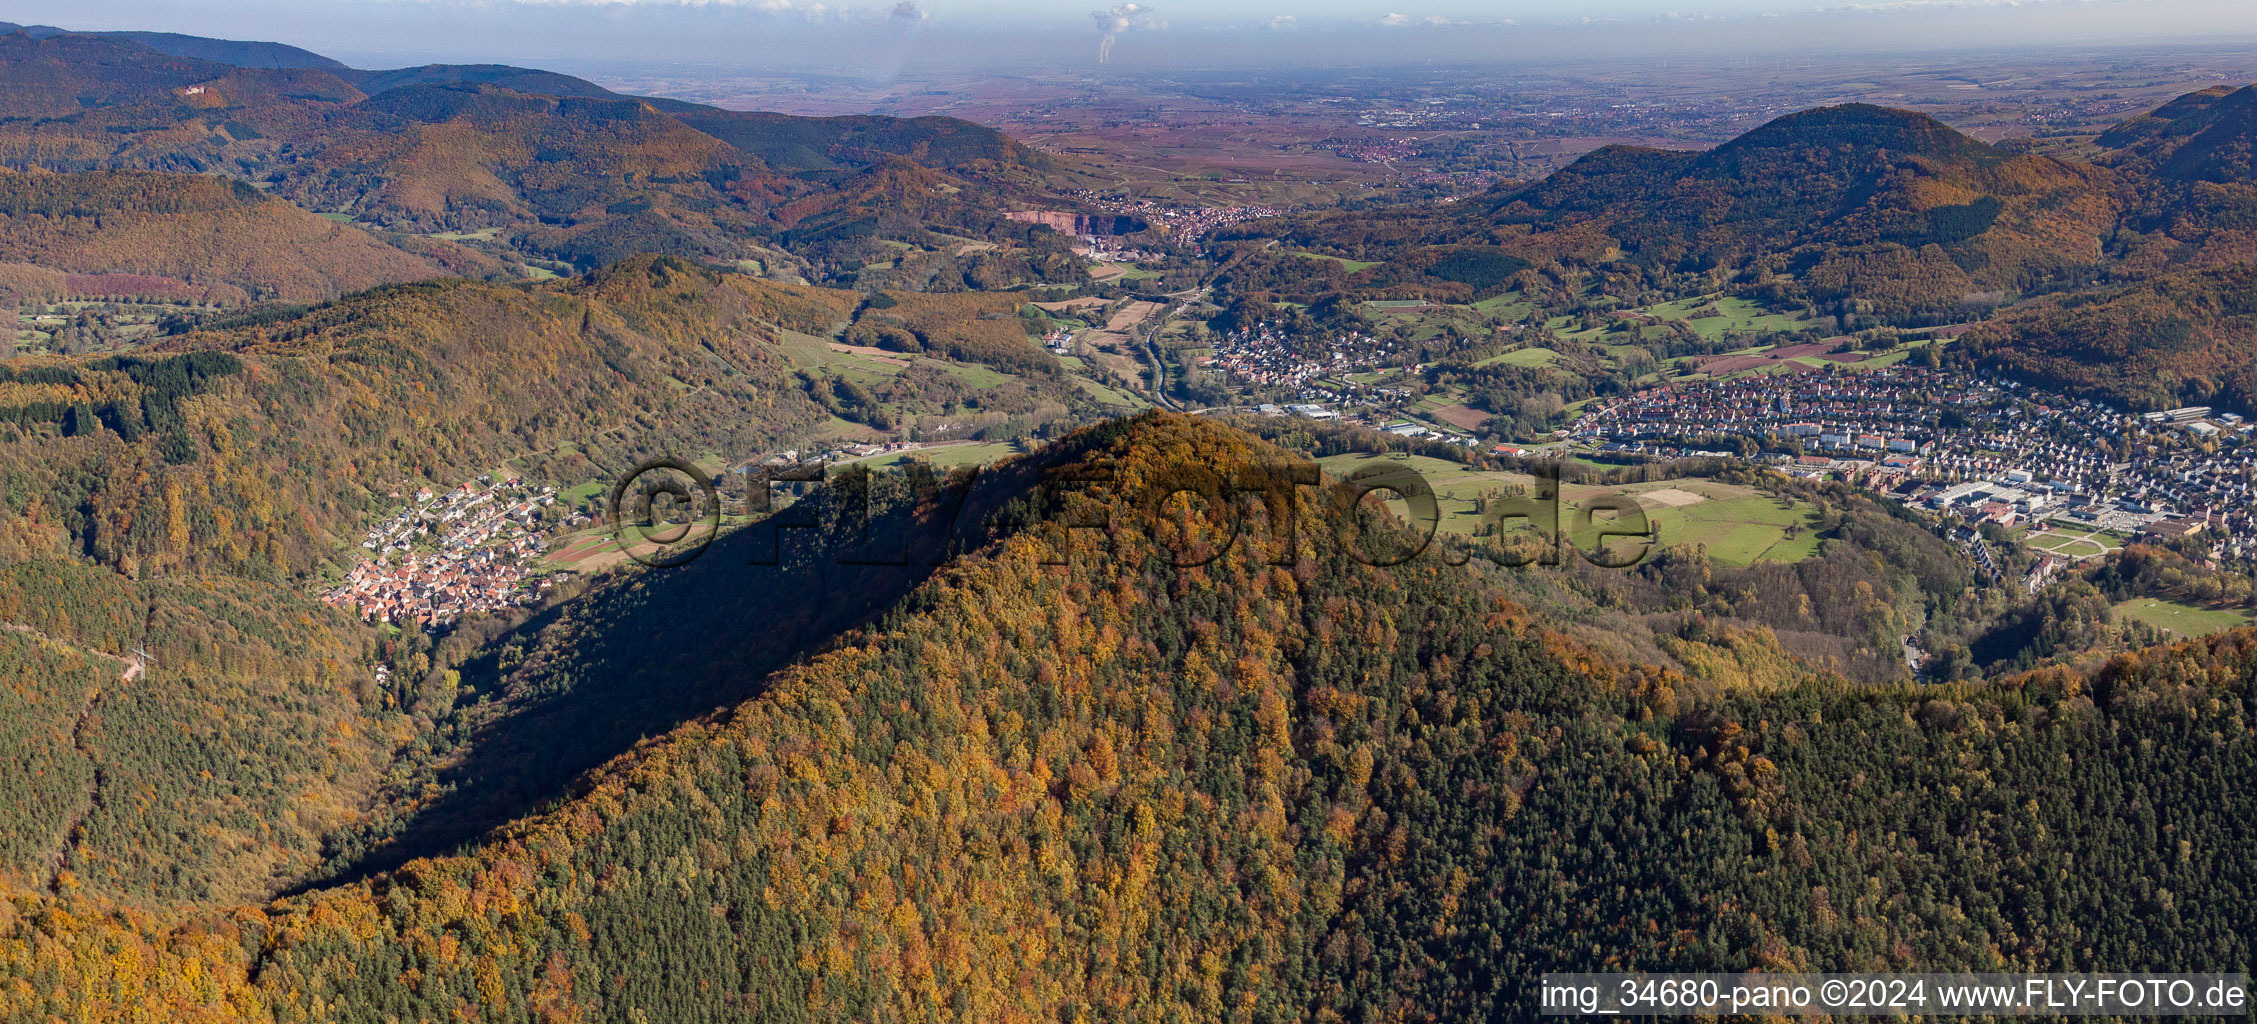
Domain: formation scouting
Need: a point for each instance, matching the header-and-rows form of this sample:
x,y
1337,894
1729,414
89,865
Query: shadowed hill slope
x,y
592,680
229,51
546,83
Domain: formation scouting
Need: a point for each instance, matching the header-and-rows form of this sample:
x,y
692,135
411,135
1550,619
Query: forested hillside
x,y
206,239
193,725
1857,208
189,740
2181,339
2201,136
267,443
2187,168
545,164
794,144
1117,789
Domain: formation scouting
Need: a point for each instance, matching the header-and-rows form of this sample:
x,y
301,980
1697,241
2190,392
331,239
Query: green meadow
x,y
2181,618
1346,264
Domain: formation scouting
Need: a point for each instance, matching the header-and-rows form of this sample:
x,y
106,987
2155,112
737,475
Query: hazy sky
x,y
873,36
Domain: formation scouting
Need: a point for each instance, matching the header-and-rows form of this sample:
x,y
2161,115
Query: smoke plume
x,y
1118,19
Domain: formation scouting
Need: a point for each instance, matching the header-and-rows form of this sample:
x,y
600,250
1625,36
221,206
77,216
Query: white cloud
x,y
1400,20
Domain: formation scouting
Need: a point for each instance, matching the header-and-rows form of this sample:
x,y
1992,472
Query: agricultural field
x,y
1349,265
1737,314
597,548
587,551
1455,486
1508,306
1107,395
974,374
943,456
1102,359
1132,314
1463,417
860,364
865,365
1734,316
1128,272
581,493
839,428
480,235
2183,619
1738,524
1522,357
1815,355
1898,356
1072,306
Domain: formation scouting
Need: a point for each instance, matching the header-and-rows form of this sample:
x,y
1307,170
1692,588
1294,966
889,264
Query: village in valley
x,y
496,542
1921,433
1179,223
1978,452
1260,359
472,548
2076,476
